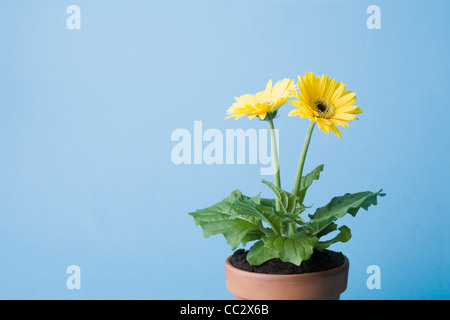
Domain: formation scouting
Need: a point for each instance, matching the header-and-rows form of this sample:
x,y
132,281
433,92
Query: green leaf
x,y
307,181
329,228
316,226
348,203
343,236
266,202
221,218
290,204
253,235
248,207
290,249
339,207
259,254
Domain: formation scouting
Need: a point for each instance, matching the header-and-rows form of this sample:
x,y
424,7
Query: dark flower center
x,y
321,107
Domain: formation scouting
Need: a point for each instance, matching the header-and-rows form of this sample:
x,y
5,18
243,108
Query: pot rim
x,y
328,272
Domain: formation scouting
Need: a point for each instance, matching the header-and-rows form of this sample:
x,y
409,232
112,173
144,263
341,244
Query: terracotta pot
x,y
323,285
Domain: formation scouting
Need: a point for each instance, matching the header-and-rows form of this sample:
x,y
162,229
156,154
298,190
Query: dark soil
x,y
319,261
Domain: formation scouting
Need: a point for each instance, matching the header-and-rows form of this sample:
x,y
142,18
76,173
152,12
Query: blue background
x,y
86,118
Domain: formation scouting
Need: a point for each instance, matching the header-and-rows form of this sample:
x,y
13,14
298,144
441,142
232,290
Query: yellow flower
x,y
264,103
324,101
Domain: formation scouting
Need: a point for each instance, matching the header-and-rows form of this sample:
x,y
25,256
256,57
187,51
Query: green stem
x,y
276,167
301,162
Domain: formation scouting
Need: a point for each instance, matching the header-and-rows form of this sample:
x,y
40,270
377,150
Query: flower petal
x,y
336,131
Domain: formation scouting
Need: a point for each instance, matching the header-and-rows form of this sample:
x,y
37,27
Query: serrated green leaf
x,y
339,207
263,201
316,226
343,236
245,207
259,254
291,207
293,250
307,181
348,203
221,218
254,235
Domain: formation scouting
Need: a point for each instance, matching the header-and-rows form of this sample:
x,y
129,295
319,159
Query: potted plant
x,y
289,258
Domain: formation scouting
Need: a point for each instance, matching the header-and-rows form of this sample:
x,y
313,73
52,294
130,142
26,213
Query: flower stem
x,y
276,167
301,162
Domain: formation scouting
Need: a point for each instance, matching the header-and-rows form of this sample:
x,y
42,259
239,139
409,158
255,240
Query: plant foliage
x,y
281,233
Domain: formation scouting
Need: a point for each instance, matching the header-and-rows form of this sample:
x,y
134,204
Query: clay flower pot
x,y
322,285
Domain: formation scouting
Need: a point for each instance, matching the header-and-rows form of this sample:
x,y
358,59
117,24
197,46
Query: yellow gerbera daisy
x,y
324,101
263,103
